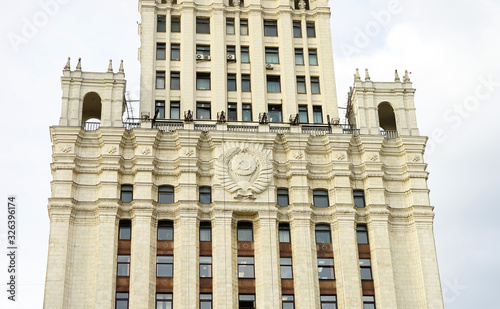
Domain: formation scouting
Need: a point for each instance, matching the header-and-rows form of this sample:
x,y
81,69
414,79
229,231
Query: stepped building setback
x,y
238,184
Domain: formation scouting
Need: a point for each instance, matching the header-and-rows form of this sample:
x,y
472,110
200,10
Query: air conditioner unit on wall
x,y
269,66
231,57
206,57
199,56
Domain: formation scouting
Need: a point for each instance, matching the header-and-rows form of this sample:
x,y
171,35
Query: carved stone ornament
x,y
145,151
416,158
66,148
244,169
189,152
112,149
341,156
298,155
374,157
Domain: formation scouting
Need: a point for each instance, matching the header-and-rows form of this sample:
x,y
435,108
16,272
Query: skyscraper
x,y
239,186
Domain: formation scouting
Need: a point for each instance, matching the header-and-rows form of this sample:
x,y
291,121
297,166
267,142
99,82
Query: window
x,y
246,267
362,234
126,194
165,230
160,109
297,31
359,198
246,112
270,28
161,23
323,235
230,50
299,56
303,118
325,268
121,300
160,79
315,85
203,110
175,110
284,232
229,25
164,266
231,111
244,26
166,194
205,267
205,195
301,87
274,113
205,231
313,57
231,82
272,55
287,302
365,269
175,80
203,81
311,32
328,301
286,268
246,301
203,50
320,198
175,24
164,301
273,83
160,51
202,25
368,302
205,301
245,231
282,197
317,114
175,52
124,230
123,266
245,54
245,83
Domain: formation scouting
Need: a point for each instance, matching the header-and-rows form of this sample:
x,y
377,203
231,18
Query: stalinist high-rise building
x,y
238,185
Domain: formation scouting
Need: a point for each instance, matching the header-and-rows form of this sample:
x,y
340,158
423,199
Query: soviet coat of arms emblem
x,y
244,169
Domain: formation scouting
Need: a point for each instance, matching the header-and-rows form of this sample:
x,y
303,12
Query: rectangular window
x,y
123,266
127,193
160,51
245,54
286,268
365,269
297,31
160,79
270,28
121,300
203,110
202,82
325,268
359,198
203,50
246,112
164,266
272,55
328,301
315,85
161,23
368,302
124,230
205,301
274,113
317,114
175,80
231,52
165,230
202,25
323,235
231,82
244,26
160,109
299,56
246,267
205,267
287,302
175,24
301,87
205,231
245,83
232,114
175,52
164,301
273,83
205,195
175,110
284,232
229,25
282,197
320,198
313,57
362,234
245,231
311,31
303,113
246,301
166,195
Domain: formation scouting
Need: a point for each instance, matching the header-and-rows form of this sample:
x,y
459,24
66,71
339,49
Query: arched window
x,y
91,106
166,194
386,117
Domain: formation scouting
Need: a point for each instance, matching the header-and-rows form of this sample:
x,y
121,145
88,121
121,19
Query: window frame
x,y
168,193
319,198
303,114
315,88
205,261
123,265
175,80
160,80
299,55
232,111
297,29
287,301
284,233
244,263
323,231
202,49
317,114
230,24
286,268
278,112
310,29
202,80
313,56
121,297
168,264
244,30
175,24
301,86
207,299
175,52
369,300
231,82
365,269
275,82
205,226
246,84
326,263
245,54
362,234
282,196
125,229
203,109
161,51
161,23
160,107
328,302
203,193
359,196
165,227
126,193
270,27
246,110
169,299
272,55
203,25
243,230
175,107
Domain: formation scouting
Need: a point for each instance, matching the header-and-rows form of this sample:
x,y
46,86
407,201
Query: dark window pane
x,y
245,83
160,51
203,81
282,197
175,52
161,23
126,195
203,110
205,231
317,114
359,198
175,110
297,32
245,231
124,231
284,232
160,79
362,234
246,267
273,84
311,31
231,82
272,55
160,108
245,54
244,26
323,235
274,113
315,85
246,112
202,25
270,28
299,56
313,57
165,230
205,195
229,25
175,80
175,24
320,198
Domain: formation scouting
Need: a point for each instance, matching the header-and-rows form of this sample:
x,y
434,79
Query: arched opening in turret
x,y
386,117
91,107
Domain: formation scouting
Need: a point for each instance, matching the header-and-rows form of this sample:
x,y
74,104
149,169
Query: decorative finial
x,y
79,65
367,76
68,64
406,78
396,76
121,67
110,66
302,5
357,78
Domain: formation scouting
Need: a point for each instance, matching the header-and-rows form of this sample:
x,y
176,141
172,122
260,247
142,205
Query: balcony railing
x,y
390,134
90,125
316,130
168,126
242,128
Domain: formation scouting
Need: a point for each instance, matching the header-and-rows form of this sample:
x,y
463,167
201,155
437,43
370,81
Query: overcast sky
x,y
452,49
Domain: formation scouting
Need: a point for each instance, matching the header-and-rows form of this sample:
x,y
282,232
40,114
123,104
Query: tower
x,y
238,187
